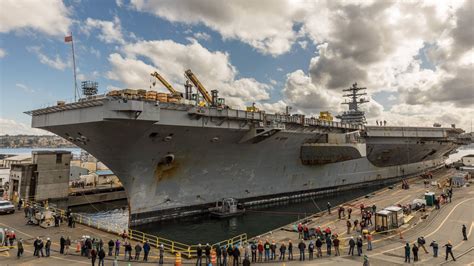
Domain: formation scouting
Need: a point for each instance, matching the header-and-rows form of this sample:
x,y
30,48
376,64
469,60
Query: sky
x,y
414,57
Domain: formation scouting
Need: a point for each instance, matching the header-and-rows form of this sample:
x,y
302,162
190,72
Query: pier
x,y
440,225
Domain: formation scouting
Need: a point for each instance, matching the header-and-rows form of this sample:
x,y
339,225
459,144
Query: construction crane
x,y
165,83
190,75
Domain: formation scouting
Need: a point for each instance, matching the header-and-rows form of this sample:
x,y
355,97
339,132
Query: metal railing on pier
x,y
171,246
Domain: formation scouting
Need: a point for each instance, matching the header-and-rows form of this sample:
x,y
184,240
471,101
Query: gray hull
x,y
170,162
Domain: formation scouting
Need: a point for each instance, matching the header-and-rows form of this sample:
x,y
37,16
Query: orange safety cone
x,y
213,257
177,261
78,246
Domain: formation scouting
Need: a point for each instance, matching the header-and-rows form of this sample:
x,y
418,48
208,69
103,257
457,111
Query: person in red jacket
x,y
260,251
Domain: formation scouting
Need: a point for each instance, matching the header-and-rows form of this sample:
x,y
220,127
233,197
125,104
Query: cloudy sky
x,y
414,57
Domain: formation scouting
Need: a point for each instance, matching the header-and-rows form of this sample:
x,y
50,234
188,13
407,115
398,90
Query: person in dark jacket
x,y
282,251
128,249
319,244
111,246
146,250
421,243
273,247
138,250
359,245
253,248
224,255
62,243
349,212
217,249
449,250
302,248
101,256
266,247
329,207
335,243
464,232
290,250
40,248
310,250
93,256
35,245
199,255
245,262
434,245
328,245
352,244
48,247
20,249
407,253
415,252
236,254
207,252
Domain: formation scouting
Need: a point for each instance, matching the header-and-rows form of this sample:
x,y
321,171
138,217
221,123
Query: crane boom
x,y
166,84
190,75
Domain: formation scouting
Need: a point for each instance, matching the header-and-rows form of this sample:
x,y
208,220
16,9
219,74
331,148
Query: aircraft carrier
x,y
178,154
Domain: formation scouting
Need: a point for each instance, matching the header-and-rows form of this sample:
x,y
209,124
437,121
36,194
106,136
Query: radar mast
x,y
354,115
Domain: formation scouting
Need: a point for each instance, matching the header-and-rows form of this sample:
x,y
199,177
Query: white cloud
x,y
3,53
12,127
171,59
303,44
55,62
119,3
265,25
202,36
47,16
24,88
392,97
110,31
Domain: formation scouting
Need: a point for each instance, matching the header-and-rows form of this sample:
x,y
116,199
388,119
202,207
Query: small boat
x,y
228,207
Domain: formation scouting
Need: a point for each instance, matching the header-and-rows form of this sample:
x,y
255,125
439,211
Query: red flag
x,y
68,38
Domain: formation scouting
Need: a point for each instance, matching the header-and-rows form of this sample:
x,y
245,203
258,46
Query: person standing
x,y
407,252
374,208
138,250
40,248
224,256
62,243
273,247
199,255
236,254
217,249
290,250
253,247
117,247
369,241
162,253
93,256
310,250
282,252
319,244
302,248
349,212
67,244
19,245
48,247
464,232
359,245
434,245
351,246
101,256
349,226
421,243
266,247
335,242
449,251
20,203
207,252
260,251
415,252
328,245
329,207
111,246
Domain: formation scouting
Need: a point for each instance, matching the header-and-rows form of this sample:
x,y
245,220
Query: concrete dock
x,y
440,225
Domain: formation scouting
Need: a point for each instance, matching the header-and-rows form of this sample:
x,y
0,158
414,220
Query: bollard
x,y
177,261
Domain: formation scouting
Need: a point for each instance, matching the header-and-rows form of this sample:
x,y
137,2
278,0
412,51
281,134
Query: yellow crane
x,y
190,75
165,83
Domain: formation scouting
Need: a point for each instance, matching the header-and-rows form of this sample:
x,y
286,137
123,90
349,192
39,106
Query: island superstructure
x,y
177,154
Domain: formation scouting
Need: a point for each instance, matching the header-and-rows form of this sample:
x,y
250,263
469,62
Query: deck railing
x,y
171,246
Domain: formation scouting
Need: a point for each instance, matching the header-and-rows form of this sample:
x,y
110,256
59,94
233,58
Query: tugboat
x,y
228,207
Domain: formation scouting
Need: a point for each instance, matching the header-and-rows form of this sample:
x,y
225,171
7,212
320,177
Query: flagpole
x,y
74,66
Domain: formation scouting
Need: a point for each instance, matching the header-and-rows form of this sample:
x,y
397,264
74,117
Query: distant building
x,y
45,178
468,160
77,172
22,158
